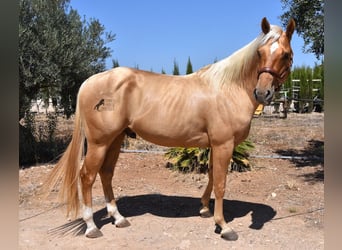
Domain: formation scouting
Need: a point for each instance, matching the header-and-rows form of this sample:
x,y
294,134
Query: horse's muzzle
x,y
263,96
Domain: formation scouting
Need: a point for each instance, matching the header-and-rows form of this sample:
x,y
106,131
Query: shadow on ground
x,y
311,156
169,207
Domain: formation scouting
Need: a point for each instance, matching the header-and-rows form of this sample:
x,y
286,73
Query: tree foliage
x,y
57,52
309,17
309,79
115,63
189,67
175,68
304,84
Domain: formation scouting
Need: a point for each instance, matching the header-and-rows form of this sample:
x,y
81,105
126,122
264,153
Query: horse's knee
x,y
219,190
87,181
87,178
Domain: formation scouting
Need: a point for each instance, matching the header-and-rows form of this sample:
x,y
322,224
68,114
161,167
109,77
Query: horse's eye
x,y
259,53
286,56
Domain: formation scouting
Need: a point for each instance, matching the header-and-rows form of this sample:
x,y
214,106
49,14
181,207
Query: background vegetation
x,y
309,17
57,51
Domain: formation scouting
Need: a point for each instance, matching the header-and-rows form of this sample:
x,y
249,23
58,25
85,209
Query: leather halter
x,y
280,77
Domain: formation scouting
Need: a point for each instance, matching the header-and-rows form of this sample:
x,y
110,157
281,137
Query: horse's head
x,y
275,60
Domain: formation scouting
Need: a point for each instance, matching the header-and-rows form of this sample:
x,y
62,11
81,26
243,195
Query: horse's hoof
x,y
122,222
93,233
229,234
205,212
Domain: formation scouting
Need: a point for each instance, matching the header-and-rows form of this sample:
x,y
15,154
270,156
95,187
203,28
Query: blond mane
x,y
239,67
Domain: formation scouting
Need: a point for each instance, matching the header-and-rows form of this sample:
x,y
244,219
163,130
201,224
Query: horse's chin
x,y
266,102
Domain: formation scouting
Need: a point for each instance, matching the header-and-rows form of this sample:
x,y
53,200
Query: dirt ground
x,y
277,205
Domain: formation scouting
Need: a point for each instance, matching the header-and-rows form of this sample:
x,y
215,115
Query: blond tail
x,y
67,170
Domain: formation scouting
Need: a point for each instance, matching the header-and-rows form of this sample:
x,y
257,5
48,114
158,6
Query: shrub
x,y
37,140
196,159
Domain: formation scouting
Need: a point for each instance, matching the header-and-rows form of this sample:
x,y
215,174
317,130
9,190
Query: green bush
x,y
27,146
196,159
37,140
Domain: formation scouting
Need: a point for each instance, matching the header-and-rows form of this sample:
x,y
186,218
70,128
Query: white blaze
x,y
274,47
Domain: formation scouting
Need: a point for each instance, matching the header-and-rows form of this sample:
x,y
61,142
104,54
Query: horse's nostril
x,y
255,94
268,93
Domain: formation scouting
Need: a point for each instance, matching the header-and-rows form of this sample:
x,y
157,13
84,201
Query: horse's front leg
x,y
205,211
221,157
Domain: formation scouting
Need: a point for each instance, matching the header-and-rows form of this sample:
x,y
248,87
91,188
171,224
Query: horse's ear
x,y
290,28
265,26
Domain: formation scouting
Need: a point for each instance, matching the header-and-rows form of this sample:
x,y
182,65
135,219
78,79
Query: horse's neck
x,y
248,85
242,95
241,83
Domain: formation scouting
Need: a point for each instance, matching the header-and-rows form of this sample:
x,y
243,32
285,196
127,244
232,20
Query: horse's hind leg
x,y
92,163
106,173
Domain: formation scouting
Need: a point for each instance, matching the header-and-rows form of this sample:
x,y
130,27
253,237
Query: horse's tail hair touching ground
x,y
66,171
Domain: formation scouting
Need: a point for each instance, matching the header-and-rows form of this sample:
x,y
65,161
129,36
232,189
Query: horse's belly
x,y
199,141
172,137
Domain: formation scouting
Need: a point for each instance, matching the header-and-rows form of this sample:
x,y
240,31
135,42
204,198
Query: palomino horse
x,y
212,107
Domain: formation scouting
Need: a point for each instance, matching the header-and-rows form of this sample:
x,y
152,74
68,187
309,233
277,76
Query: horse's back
x,y
107,80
